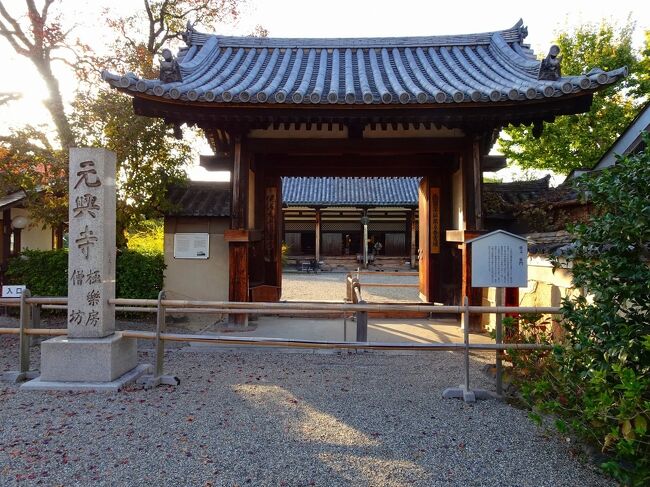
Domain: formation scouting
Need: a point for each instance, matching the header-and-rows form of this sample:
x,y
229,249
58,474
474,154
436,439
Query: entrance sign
x,y
499,259
191,245
91,258
13,291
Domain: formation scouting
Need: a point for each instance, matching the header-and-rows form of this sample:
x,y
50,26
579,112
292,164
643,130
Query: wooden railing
x,y
30,326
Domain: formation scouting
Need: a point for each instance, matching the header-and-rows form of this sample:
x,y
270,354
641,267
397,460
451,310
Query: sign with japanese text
x,y
191,245
91,257
499,259
14,291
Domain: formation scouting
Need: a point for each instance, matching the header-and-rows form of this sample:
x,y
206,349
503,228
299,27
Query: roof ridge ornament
x,y
549,68
170,71
521,29
187,35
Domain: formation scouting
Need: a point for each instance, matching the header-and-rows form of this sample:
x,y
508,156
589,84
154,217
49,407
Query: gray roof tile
x,y
200,199
487,67
350,191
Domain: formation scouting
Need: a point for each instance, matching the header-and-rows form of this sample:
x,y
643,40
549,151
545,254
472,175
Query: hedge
x,y
45,273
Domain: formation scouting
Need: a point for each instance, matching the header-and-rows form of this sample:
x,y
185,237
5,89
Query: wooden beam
x,y
360,165
424,145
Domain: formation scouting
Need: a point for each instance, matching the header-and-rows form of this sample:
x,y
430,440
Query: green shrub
x,y
45,272
598,383
147,236
139,274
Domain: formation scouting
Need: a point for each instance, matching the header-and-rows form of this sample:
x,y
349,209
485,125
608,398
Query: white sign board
x,y
191,245
499,259
13,291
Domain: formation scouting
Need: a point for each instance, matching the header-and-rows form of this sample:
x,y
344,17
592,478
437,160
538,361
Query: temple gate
x,y
429,107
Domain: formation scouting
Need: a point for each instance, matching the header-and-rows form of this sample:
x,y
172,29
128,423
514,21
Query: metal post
x,y
160,328
362,324
23,372
158,378
499,301
463,391
25,319
36,323
466,339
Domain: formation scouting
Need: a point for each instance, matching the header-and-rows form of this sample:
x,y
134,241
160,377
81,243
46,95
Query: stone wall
x,y
545,288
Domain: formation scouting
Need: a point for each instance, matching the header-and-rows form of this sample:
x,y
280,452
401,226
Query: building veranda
x,y
425,107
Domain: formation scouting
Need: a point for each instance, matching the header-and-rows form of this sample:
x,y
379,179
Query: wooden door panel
x,y
395,244
332,243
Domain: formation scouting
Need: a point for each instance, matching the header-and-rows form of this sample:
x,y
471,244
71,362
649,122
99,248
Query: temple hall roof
x,y
350,191
486,68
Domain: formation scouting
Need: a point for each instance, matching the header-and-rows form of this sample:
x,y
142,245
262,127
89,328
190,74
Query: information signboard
x,y
499,259
191,246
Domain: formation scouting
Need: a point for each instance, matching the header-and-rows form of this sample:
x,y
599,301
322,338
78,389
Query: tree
x,y
30,162
40,38
643,71
149,156
575,141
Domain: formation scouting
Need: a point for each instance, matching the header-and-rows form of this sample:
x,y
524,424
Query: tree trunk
x,y
55,105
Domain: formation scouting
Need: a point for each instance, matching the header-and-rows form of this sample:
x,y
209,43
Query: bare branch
x,y
18,31
10,36
46,7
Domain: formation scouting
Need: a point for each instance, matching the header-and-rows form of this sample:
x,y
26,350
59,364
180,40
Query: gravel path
x,y
327,286
262,418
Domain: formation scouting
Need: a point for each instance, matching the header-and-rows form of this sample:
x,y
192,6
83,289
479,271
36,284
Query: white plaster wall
x,y
197,279
34,237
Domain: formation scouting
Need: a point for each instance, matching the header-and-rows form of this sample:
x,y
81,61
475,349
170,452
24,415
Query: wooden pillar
x,y
241,166
6,242
17,241
412,231
430,243
472,181
477,183
237,237
273,233
318,235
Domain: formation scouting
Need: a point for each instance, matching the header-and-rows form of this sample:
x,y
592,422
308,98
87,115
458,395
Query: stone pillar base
x,y
87,363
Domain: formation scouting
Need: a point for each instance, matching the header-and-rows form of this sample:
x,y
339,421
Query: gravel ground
x,y
263,418
327,286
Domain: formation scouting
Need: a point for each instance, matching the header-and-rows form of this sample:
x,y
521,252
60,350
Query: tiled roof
x,y
489,67
548,243
519,191
12,199
200,199
350,191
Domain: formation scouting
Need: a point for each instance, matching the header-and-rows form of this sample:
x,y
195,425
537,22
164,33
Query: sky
x,y
331,18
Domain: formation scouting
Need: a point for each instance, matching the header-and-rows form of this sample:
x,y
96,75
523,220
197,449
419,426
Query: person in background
x,y
377,247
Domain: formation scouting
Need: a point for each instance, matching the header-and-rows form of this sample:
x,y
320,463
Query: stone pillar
x,y
91,256
92,356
